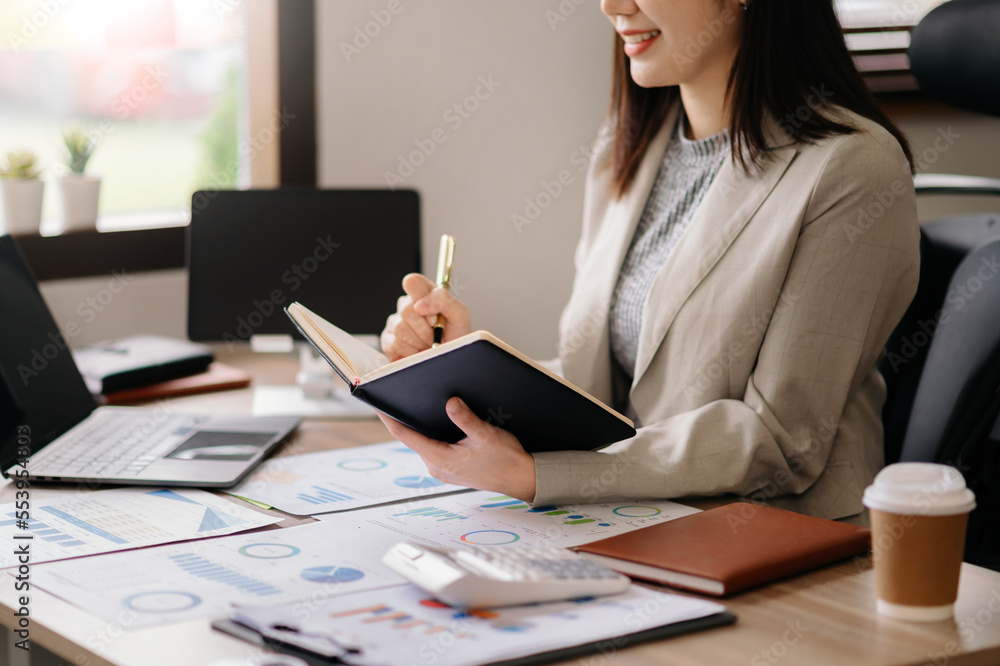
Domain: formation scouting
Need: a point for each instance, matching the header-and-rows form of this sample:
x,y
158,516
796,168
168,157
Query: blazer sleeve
x,y
855,256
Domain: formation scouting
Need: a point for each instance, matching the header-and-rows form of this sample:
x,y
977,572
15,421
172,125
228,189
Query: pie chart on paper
x,y
162,601
269,551
332,574
418,482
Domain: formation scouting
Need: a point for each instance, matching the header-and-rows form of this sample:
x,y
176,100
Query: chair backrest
x,y
943,246
954,418
906,349
955,54
958,389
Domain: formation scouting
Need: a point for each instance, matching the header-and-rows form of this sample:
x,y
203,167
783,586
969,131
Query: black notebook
x,y
139,360
500,384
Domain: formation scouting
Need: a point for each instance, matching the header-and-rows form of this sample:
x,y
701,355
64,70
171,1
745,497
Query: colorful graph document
x,y
343,479
401,625
202,578
483,518
104,521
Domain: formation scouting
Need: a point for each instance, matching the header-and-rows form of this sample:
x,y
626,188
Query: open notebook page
x,y
361,358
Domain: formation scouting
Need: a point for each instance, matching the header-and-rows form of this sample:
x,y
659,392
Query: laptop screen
x,y
40,386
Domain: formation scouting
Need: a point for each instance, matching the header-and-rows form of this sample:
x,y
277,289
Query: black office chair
x,y
955,411
943,363
907,348
955,57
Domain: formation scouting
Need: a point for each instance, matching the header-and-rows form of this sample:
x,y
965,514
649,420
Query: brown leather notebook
x,y
729,548
218,377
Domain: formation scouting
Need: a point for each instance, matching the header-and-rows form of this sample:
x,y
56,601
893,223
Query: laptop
x,y
51,428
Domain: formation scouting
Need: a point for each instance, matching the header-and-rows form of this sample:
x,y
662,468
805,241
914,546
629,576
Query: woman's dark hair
x,y
792,60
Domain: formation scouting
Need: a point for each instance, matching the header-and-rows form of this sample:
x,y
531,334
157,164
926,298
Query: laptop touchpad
x,y
217,445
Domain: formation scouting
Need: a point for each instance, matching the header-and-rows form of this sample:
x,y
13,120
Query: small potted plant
x,y
78,193
22,194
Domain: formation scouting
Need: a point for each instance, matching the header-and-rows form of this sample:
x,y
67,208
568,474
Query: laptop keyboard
x,y
112,444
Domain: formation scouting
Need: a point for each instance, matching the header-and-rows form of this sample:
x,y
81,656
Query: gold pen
x,y
446,254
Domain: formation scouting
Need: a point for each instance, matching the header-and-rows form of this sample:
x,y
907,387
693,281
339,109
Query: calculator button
x,y
483,566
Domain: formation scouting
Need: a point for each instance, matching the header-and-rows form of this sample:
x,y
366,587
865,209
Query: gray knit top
x,y
685,174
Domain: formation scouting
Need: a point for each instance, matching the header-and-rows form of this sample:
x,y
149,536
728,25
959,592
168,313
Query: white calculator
x,y
484,576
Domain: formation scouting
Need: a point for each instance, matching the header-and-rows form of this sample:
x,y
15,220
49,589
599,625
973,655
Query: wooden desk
x,y
824,617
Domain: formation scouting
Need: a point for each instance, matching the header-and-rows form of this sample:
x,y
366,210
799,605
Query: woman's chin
x,y
646,77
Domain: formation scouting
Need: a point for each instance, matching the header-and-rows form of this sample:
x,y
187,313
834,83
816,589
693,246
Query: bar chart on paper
x,y
108,520
432,512
342,479
202,578
200,567
321,495
482,518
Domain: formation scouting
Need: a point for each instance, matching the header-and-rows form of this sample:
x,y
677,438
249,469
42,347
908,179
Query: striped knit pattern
x,y
686,172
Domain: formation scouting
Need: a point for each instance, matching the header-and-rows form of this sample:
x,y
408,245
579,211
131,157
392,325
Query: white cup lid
x,y
925,489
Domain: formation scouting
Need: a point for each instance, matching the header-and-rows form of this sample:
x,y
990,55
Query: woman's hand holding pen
x,y
489,458
475,460
410,329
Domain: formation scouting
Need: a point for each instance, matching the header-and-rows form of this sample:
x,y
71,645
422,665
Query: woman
x,y
749,243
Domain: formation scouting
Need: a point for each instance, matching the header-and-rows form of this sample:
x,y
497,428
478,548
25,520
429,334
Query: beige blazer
x,y
756,360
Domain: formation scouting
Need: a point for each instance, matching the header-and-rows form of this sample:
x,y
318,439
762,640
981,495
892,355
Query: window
x,y
159,83
878,34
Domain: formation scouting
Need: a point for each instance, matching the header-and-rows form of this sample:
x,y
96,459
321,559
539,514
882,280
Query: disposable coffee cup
x,y
919,513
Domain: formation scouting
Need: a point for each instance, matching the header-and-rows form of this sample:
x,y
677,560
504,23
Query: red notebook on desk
x,y
729,548
218,377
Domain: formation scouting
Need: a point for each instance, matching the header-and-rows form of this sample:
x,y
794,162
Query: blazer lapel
x,y
597,278
727,206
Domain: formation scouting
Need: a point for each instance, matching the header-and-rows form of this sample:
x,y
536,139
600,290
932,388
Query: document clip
x,y
315,647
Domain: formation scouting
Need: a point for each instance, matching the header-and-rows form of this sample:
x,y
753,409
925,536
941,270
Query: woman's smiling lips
x,y
636,42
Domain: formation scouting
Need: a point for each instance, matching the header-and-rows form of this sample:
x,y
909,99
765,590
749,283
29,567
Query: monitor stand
x,y
272,343
318,392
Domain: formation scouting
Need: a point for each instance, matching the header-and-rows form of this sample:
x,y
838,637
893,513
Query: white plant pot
x,y
78,196
22,205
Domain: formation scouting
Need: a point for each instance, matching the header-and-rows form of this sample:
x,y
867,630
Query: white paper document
x,y
341,479
291,401
104,521
484,518
402,625
202,578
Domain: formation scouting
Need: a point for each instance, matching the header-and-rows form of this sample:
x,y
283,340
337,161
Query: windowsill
x,y
136,243
135,221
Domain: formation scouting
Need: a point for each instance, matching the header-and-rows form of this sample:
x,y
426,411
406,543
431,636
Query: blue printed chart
x,y
418,482
202,578
482,518
343,479
77,524
332,574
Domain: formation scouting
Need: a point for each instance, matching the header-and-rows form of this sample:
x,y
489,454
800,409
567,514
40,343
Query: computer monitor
x,y
341,253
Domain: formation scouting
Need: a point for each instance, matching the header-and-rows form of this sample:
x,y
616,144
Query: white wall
x,y
111,306
945,140
396,89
